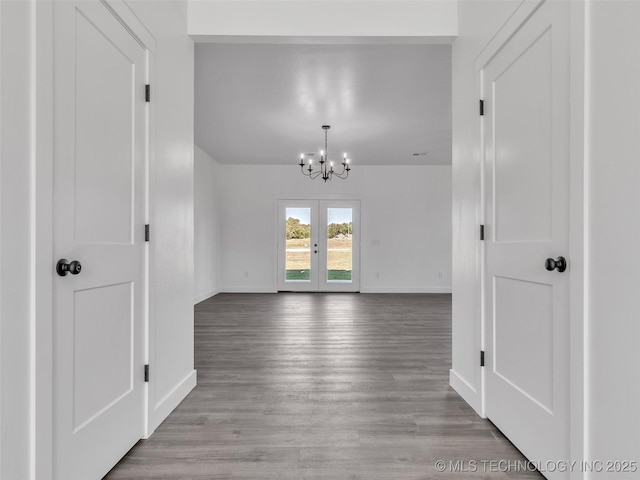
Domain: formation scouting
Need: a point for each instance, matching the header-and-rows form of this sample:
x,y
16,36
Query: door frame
x,y
42,36
357,259
578,172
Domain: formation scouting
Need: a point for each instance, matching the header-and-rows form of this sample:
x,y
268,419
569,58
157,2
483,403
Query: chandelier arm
x,y
314,175
341,173
302,169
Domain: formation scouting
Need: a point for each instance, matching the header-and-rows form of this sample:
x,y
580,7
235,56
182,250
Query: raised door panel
x,y
523,145
105,89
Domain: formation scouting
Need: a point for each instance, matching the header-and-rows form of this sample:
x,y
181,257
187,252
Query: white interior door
x,y
99,108
318,245
526,135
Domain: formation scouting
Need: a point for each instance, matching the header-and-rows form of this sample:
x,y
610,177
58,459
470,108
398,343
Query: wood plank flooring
x,y
321,386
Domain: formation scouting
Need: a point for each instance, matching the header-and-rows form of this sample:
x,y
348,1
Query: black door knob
x,y
559,264
63,267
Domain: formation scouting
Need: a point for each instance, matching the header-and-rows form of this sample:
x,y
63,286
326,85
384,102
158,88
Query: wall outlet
x,y
246,274
377,274
440,274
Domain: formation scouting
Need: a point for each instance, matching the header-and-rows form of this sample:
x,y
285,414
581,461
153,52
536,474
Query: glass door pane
x,y
298,245
298,250
339,245
339,252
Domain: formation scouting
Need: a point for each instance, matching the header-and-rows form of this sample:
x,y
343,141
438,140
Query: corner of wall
x,y
466,391
201,297
170,401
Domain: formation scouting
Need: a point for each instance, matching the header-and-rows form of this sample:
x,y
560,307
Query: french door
x,y
319,245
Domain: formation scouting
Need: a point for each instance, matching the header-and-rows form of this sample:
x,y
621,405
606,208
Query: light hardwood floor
x,y
321,386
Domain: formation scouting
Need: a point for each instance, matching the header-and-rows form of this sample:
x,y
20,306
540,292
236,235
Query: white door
x,y
526,135
318,245
99,152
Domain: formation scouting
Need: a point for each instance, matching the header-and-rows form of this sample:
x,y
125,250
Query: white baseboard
x,y
170,401
405,290
203,296
248,290
362,290
466,391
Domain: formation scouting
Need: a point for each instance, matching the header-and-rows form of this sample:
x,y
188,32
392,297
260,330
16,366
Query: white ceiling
x,y
265,103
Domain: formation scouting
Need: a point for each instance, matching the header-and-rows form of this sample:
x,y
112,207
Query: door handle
x,y
64,267
559,264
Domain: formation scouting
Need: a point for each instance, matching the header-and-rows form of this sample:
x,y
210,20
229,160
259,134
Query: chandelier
x,y
325,171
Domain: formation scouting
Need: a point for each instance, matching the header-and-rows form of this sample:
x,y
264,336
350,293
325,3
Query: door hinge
x,y
146,232
481,232
481,107
147,93
482,358
146,373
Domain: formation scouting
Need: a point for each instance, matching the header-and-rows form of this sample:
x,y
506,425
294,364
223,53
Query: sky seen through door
x,y
337,215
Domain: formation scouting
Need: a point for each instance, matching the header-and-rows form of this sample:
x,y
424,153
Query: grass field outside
x,y
306,275
339,259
